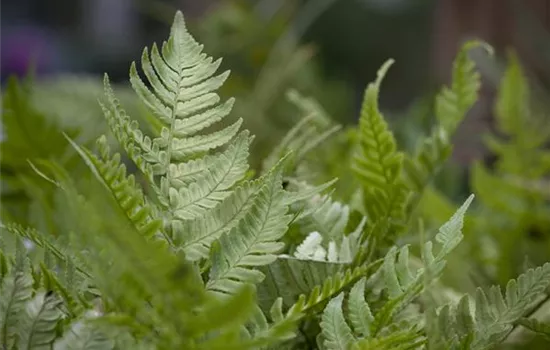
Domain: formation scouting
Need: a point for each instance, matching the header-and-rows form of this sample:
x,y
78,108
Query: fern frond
x,y
181,92
287,278
254,242
512,105
15,290
37,238
196,236
38,322
359,311
400,340
305,136
377,328
335,330
213,186
377,164
83,335
110,171
453,102
452,105
331,287
182,85
402,285
494,313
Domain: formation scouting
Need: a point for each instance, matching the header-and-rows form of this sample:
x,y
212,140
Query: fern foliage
x,y
451,107
194,251
378,164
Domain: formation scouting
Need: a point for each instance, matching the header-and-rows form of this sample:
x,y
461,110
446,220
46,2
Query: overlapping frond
x,y
370,326
38,322
255,241
15,290
112,174
484,321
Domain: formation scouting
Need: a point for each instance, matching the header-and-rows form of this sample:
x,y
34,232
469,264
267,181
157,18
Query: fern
x,y
494,313
451,106
16,290
195,252
403,286
254,241
37,326
84,336
453,102
378,166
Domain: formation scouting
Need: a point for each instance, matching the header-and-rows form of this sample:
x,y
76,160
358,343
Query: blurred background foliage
x,y
324,52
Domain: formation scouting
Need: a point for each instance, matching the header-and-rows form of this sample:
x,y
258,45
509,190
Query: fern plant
x,y
205,255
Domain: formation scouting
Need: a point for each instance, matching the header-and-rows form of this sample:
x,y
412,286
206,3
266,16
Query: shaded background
x,y
329,49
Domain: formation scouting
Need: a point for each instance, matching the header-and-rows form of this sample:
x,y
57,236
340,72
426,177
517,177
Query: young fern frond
x,y
453,102
377,165
452,105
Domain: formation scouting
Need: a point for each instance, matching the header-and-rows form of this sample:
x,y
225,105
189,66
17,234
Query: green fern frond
x,y
359,312
378,164
312,130
288,278
401,340
331,287
182,95
15,290
73,303
196,236
452,105
37,327
213,186
494,313
139,148
453,102
512,105
110,171
335,330
37,238
254,242
374,326
83,335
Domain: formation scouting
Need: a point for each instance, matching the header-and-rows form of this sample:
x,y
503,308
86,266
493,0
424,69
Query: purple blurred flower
x,y
23,46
